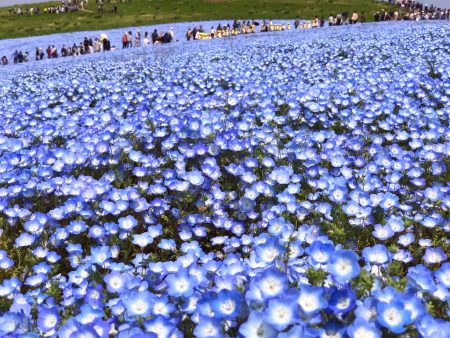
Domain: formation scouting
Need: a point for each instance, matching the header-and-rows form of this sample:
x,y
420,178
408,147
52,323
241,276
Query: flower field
x,y
279,185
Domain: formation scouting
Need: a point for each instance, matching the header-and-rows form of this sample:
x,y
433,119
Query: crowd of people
x,y
65,7
156,38
408,10
412,10
238,27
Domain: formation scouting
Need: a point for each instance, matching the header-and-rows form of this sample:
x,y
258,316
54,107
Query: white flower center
x,y
392,316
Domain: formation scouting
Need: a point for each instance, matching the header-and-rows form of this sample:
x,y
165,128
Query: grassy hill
x,y
145,12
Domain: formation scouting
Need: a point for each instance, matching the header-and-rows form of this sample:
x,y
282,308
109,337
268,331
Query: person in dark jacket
x,y
154,36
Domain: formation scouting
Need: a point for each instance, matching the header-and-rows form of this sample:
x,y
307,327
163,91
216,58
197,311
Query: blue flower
x,y
48,318
270,250
312,299
342,300
280,313
127,223
160,326
320,252
227,304
208,327
343,265
142,240
443,275
363,329
180,284
271,283
195,177
138,303
257,326
393,316
24,240
377,254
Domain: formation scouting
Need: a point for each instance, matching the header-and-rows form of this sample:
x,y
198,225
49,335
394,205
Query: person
x,y
322,21
330,20
124,41
167,38
4,60
37,54
354,18
137,39
376,17
362,19
20,57
146,39
315,22
194,33
296,22
212,32
189,34
154,36
130,39
86,45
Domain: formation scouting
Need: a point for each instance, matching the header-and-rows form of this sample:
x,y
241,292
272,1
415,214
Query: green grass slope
x,y
145,12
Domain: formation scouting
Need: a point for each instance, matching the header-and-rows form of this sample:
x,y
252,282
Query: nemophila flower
x,y
167,244
271,283
195,177
160,326
382,232
338,194
270,250
281,175
77,227
404,256
36,279
116,281
138,303
393,316
280,313
342,300
389,201
320,252
9,322
311,299
434,256
208,327
443,275
24,240
433,193
88,314
363,329
142,240
333,329
257,326
100,255
421,278
22,304
395,223
367,309
127,223
377,254
227,304
180,284
343,265
406,239
162,306
48,318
